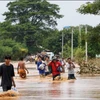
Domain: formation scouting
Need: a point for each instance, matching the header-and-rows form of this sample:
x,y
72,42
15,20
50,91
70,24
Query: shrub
x,y
12,48
79,54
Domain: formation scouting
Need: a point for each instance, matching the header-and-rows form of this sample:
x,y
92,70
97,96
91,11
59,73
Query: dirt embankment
x,y
90,67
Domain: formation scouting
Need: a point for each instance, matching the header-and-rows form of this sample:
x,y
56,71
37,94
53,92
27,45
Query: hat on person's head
x,y
54,58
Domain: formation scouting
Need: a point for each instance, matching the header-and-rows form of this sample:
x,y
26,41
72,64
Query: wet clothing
x,y
71,76
47,71
56,76
6,88
70,68
46,67
63,62
6,72
71,71
54,66
40,71
22,73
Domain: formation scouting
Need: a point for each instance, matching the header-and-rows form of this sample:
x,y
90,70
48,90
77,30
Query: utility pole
x,y
72,44
86,43
80,36
62,43
66,27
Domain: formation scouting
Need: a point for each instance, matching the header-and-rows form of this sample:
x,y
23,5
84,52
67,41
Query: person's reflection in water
x,y
71,88
55,90
71,81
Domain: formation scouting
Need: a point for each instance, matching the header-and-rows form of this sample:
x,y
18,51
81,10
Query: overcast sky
x,y
68,9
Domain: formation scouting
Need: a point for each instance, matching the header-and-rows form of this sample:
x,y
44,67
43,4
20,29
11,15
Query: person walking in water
x,y
7,74
55,64
70,67
63,62
47,68
41,67
21,69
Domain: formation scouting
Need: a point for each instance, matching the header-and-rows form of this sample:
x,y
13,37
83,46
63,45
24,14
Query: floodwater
x,y
34,88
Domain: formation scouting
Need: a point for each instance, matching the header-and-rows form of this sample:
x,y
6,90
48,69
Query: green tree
x,y
94,41
80,53
53,41
6,30
31,20
93,36
13,48
90,8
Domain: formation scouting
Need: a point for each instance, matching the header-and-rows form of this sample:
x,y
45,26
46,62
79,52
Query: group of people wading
x,y
55,66
45,67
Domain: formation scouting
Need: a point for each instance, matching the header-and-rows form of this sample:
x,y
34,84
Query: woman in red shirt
x,y
54,64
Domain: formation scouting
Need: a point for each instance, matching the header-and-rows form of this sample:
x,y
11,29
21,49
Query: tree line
x,y
30,27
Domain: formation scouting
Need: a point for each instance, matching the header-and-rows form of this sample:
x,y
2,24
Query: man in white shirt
x,y
70,67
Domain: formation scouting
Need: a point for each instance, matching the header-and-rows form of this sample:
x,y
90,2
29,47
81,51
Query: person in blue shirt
x,y
41,67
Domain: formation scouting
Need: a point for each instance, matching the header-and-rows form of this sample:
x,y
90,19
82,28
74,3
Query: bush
x,y
12,48
5,50
19,51
79,54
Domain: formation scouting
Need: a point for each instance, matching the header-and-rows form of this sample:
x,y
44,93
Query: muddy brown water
x,y
34,88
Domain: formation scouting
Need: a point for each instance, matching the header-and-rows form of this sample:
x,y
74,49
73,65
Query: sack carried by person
x,y
60,69
42,66
14,89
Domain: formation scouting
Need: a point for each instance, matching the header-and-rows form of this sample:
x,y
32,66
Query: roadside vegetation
x,y
30,27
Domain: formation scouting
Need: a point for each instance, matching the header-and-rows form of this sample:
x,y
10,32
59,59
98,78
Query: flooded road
x,y
82,88
34,88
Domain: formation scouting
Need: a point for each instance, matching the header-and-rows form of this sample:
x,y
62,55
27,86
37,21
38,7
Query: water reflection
x,y
54,89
